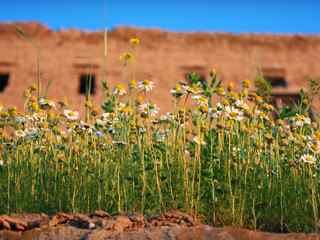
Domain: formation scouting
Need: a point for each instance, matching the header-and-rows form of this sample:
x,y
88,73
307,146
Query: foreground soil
x,y
100,225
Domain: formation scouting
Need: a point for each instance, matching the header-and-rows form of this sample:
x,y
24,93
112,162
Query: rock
x,y
171,225
122,223
100,214
100,234
61,232
10,235
173,218
16,223
82,221
60,218
138,220
33,220
4,224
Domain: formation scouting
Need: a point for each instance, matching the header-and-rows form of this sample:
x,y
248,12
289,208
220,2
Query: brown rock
x,y
183,232
18,224
171,225
60,218
82,221
122,223
173,218
100,234
10,235
61,232
138,220
4,224
101,214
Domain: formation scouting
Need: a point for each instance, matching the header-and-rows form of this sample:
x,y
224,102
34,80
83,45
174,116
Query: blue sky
x,y
273,16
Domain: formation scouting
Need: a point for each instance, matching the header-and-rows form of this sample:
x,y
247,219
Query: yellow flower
x,y
233,95
220,91
3,114
194,89
126,57
32,88
204,108
135,41
12,111
178,91
133,84
139,100
119,90
317,135
34,107
125,110
246,83
230,86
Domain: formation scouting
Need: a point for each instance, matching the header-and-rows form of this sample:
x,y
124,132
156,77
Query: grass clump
x,y
220,154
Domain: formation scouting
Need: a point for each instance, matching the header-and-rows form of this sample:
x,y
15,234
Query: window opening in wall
x,y
277,81
87,84
4,81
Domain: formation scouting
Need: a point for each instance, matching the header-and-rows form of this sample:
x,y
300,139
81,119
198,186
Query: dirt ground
x,y
100,225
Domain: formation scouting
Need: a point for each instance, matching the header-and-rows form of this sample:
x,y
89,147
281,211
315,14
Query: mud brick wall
x,y
164,57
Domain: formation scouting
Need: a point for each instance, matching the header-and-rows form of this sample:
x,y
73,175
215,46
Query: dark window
x,y
4,81
277,81
87,84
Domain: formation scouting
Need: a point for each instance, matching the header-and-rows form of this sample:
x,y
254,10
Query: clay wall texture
x,y
163,57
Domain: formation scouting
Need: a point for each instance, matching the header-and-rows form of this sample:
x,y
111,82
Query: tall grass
x,y
220,154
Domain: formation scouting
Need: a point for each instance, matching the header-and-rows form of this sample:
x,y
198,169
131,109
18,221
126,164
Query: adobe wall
x,y
163,57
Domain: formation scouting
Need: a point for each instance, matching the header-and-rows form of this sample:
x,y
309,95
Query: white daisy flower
x,y
178,91
234,113
145,85
241,104
20,133
301,120
166,117
307,158
45,103
150,109
200,100
71,115
119,90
